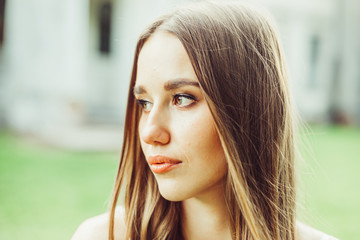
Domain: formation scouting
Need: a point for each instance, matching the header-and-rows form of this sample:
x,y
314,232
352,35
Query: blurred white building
x,y
65,65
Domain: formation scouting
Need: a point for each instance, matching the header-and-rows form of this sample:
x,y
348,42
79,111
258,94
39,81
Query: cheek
x,y
140,129
200,136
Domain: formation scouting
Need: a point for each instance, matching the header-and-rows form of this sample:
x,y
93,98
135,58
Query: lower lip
x,y
163,167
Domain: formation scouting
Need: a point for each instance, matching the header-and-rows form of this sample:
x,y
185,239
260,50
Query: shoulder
x,y
305,232
97,228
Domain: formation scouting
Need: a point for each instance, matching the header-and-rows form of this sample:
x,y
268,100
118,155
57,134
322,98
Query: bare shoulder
x,y
305,232
96,228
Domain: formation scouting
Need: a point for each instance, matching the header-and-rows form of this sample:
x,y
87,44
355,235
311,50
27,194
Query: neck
x,y
206,216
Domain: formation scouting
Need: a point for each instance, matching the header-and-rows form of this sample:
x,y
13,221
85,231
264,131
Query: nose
x,y
154,128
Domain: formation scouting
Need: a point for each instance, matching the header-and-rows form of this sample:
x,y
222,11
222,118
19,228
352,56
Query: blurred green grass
x,y
45,192
329,180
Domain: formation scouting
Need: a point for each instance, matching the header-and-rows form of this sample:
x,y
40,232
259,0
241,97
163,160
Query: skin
x,y
176,122
184,130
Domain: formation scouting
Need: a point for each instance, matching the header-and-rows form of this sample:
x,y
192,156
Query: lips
x,y
161,164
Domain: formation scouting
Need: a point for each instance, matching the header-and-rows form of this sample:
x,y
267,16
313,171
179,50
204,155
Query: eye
x,y
183,100
145,105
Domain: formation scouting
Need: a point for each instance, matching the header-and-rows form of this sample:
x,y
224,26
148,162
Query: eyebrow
x,y
170,85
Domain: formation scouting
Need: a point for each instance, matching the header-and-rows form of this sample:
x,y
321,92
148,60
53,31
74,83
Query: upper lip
x,y
158,159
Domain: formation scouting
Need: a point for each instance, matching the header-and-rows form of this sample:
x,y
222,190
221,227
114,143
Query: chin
x,y
172,198
173,193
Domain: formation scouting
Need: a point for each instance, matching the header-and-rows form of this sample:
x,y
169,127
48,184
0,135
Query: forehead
x,y
163,57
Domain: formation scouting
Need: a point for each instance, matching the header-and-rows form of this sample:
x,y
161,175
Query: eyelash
x,y
187,96
142,102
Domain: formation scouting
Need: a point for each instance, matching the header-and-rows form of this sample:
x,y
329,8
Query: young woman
x,y
208,148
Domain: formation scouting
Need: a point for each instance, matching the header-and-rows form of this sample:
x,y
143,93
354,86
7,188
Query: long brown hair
x,y
237,58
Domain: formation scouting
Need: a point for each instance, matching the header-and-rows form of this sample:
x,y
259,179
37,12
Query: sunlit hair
x,y
237,58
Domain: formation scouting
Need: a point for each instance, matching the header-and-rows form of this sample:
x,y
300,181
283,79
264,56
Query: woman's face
x,y
177,131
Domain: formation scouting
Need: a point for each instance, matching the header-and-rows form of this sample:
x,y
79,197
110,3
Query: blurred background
x,y
64,74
